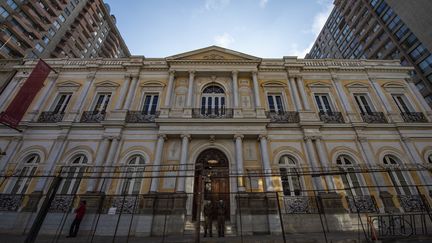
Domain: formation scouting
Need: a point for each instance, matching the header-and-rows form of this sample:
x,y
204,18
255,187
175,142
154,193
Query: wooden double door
x,y
213,169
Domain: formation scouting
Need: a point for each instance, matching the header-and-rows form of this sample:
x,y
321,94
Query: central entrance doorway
x,y
212,165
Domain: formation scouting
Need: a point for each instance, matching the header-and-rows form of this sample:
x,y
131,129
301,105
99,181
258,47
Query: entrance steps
x,y
189,228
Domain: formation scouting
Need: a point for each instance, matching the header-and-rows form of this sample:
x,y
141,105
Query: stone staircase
x,y
189,228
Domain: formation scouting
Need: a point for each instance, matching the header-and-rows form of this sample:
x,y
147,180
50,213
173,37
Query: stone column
x,y
8,92
235,88
313,162
423,174
266,162
256,89
156,164
324,162
11,150
388,110
52,161
190,89
43,97
169,89
110,161
181,181
239,160
304,97
131,93
344,98
78,106
100,157
370,159
295,94
123,90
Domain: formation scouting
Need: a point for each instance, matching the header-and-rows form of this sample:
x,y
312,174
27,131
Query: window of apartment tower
x,y
289,176
134,175
28,170
101,104
213,100
61,103
402,103
363,103
150,104
56,24
396,175
275,103
323,103
426,64
62,18
74,174
12,4
349,178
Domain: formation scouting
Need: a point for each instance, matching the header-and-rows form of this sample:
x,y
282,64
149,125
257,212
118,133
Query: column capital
x,y
127,76
317,138
236,136
192,72
91,76
306,138
262,137
106,137
188,136
234,72
171,72
61,138
163,136
17,138
135,76
362,139
254,73
406,139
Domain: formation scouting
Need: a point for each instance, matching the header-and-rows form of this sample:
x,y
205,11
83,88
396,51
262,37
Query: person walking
x,y
221,209
208,219
80,212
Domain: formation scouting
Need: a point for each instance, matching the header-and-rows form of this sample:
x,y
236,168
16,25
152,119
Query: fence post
x,y
37,224
280,217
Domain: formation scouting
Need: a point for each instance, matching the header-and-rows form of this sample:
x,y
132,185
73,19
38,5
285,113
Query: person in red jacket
x,y
80,211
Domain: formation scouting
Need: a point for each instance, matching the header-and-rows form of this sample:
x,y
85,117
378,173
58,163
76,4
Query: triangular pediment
x,y
69,84
357,85
107,83
213,53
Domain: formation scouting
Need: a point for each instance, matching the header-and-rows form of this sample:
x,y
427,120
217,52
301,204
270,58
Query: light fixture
x,y
212,161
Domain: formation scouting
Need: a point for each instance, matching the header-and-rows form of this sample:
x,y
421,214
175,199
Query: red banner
x,y
16,110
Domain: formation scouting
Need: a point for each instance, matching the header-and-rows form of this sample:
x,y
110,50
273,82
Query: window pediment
x,y
274,84
357,87
393,87
68,86
107,83
153,83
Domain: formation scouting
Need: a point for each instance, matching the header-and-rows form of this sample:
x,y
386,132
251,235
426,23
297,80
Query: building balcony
x,y
140,117
50,117
331,117
414,117
374,117
93,116
413,203
212,113
10,202
299,204
283,116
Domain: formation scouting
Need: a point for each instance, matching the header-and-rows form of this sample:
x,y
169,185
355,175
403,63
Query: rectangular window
x,y
275,103
62,18
39,47
56,24
102,101
426,64
67,11
150,104
46,40
61,103
418,52
3,12
402,32
12,4
51,32
323,103
395,21
363,103
401,103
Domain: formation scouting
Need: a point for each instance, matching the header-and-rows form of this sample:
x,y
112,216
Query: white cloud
x,y
263,3
294,50
320,18
216,4
224,40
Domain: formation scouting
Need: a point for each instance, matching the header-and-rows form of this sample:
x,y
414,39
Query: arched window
x,y
350,178
213,101
28,170
396,175
74,174
134,175
430,159
289,176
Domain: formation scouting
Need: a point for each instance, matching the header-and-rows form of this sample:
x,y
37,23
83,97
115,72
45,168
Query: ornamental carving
x,y
412,203
364,204
61,203
124,204
297,204
10,202
214,57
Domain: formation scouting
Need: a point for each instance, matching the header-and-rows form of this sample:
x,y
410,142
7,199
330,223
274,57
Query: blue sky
x,y
263,28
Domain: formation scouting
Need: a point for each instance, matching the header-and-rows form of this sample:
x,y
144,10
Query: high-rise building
x,y
381,29
59,28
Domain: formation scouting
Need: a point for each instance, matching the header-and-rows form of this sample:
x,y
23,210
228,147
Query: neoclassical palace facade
x,y
284,126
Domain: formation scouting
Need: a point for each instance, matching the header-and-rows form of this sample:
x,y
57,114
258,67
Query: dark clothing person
x,y
208,219
80,212
221,209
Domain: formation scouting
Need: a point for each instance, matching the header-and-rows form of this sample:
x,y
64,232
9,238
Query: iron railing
x,y
283,116
140,117
331,117
374,117
414,117
93,116
50,117
213,113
